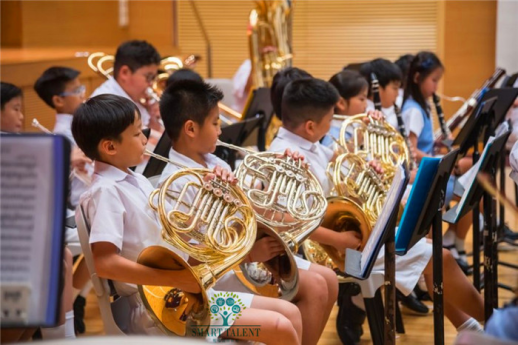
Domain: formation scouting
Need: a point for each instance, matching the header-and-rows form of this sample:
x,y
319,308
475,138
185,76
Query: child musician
x,y
307,111
134,71
108,129
11,119
424,74
389,79
191,118
60,89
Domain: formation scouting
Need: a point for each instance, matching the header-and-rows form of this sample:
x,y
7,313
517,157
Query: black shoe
x,y
509,235
79,314
350,318
421,294
463,264
412,303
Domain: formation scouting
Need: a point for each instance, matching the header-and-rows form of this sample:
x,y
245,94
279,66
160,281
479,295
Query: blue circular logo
x,y
230,301
236,309
220,301
214,309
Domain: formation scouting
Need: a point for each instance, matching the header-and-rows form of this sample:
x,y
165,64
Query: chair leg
x,y
400,326
374,309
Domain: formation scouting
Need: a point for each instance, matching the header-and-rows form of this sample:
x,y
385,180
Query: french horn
x,y
286,197
216,215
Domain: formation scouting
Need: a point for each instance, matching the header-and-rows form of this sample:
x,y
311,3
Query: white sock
x,y
459,245
86,290
64,331
470,325
422,283
448,239
69,325
358,301
75,293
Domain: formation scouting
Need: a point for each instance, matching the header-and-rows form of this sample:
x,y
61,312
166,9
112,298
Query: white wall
x,y
507,35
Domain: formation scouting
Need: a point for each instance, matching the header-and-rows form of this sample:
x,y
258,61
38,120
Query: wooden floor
x,y
419,329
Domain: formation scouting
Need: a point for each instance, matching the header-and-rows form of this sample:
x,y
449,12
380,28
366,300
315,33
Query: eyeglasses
x,y
150,77
80,90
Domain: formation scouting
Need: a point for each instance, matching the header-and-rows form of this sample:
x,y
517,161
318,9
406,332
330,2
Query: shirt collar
x,y
177,157
297,139
64,118
109,171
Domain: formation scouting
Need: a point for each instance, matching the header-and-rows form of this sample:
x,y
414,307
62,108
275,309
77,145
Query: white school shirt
x,y
63,126
390,113
111,86
117,209
210,159
316,154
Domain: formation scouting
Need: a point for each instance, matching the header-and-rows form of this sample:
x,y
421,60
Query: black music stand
x,y
154,166
505,100
236,134
259,103
359,264
472,199
404,241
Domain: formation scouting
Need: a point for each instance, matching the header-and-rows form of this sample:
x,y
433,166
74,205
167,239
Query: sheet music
x,y
26,219
390,203
468,178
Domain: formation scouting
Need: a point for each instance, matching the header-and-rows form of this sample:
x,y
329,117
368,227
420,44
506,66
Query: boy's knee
x,y
283,325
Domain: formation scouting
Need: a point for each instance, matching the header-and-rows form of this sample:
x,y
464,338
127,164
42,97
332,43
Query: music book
x,y
34,189
466,185
431,179
359,264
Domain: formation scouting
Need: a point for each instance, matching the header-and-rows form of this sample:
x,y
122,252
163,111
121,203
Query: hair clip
x,y
426,64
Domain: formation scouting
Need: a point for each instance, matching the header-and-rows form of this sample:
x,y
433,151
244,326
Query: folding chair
x,y
116,314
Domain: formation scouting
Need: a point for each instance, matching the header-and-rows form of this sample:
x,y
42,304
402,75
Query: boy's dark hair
x,y
307,99
53,82
8,92
404,63
135,54
187,100
102,117
385,71
423,63
349,83
183,74
280,80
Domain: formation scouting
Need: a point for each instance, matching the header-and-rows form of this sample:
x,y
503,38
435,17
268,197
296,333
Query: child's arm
x,y
339,240
418,153
109,264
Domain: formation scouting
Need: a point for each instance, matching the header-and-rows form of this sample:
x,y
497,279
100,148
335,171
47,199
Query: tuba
x,y
270,44
292,202
215,214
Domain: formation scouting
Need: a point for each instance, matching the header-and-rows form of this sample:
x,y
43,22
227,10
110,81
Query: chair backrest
x,y
154,166
236,134
115,315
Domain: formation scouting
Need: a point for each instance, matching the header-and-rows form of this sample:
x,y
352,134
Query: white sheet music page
x,y
398,183
26,227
